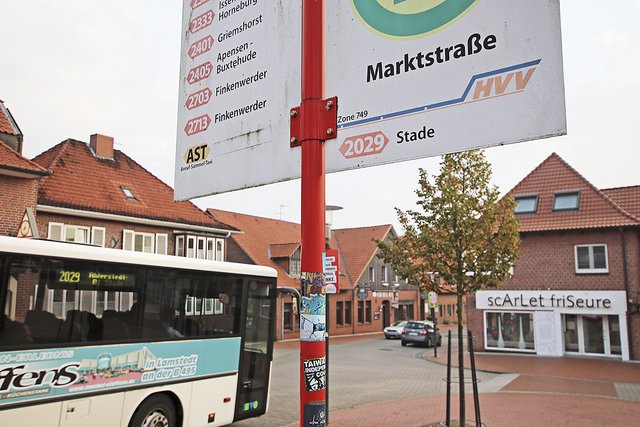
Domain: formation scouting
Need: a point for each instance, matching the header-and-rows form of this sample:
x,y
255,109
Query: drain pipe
x,y
623,242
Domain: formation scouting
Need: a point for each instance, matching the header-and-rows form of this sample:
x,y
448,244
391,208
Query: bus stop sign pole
x,y
314,122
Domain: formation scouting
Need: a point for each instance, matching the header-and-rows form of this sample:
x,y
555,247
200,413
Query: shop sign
x,y
362,293
560,301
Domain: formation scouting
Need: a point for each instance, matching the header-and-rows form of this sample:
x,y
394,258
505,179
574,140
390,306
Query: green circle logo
x,y
410,18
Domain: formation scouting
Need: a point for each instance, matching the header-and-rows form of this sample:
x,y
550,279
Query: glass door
x,y
592,335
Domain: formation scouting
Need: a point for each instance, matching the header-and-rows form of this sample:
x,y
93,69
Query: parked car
x,y
420,332
395,330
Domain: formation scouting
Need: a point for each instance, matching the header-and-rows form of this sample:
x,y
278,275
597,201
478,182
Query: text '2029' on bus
x,y
105,337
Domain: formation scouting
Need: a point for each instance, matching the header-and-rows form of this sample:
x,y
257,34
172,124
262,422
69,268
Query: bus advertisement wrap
x,y
50,373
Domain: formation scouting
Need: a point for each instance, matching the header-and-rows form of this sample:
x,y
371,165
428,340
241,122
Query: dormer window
x,y
526,204
566,201
127,193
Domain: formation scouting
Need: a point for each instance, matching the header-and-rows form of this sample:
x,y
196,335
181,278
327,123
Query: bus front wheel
x,y
156,411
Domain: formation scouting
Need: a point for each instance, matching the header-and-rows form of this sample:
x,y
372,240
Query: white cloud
x,y
636,3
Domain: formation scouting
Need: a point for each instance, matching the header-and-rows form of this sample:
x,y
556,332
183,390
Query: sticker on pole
x,y
315,373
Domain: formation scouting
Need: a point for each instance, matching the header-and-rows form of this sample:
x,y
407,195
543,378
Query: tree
x,y
463,233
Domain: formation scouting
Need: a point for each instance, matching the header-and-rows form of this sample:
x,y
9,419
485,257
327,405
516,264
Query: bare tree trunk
x,y
461,387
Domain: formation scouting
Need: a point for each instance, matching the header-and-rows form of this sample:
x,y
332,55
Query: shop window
x,y
360,311
526,204
509,331
591,259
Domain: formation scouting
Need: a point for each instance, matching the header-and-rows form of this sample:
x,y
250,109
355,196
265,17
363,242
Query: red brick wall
x,y
16,194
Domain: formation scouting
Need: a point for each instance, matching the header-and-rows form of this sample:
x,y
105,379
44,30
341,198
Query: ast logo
x,y
410,18
197,153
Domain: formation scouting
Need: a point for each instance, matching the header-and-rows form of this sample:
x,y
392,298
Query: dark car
x,y
420,332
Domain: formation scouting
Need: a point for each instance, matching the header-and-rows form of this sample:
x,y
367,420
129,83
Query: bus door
x,y
257,350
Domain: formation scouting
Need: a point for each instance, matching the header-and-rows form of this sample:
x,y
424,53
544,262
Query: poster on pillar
x,y
418,78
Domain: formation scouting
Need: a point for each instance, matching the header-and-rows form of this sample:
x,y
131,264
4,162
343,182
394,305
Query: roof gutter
x,y
22,173
133,220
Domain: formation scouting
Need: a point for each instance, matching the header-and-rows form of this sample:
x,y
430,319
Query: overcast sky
x,y
72,68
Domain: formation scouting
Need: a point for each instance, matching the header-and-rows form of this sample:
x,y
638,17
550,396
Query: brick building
x,y
371,296
576,287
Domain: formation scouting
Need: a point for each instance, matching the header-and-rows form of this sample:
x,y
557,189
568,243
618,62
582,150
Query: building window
x,y
347,313
367,311
288,317
591,259
200,247
77,234
566,201
294,264
372,274
339,313
513,331
526,204
383,274
144,242
179,245
127,193
360,311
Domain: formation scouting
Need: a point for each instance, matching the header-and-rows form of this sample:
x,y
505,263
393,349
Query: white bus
x,y
102,337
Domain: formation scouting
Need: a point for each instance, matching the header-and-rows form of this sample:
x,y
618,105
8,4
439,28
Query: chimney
x,y
102,146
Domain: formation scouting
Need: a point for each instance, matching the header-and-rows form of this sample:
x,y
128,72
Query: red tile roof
x,y
12,163
628,198
553,175
7,124
257,234
358,248
282,250
79,180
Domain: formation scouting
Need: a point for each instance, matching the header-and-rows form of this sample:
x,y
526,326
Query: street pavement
x,y
376,382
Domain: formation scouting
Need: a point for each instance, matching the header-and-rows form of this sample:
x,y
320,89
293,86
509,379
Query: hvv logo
x,y
507,82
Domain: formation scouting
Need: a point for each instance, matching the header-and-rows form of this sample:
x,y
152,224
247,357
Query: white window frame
x,y
372,274
211,249
201,248
56,231
384,271
219,248
591,269
179,246
191,240
162,243
95,233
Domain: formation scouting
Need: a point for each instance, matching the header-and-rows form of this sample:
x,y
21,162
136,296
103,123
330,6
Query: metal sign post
x,y
312,123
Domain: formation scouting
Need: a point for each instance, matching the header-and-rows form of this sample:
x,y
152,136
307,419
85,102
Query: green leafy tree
x,y
463,233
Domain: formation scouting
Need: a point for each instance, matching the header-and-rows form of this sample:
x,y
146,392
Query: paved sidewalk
x,y
532,391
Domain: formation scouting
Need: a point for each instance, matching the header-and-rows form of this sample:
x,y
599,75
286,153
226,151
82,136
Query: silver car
x,y
420,332
395,330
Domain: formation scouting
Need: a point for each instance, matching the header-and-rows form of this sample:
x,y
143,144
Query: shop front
x,y
555,323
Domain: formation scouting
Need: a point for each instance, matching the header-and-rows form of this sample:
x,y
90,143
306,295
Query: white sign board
x,y
602,302
417,78
239,76
414,78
